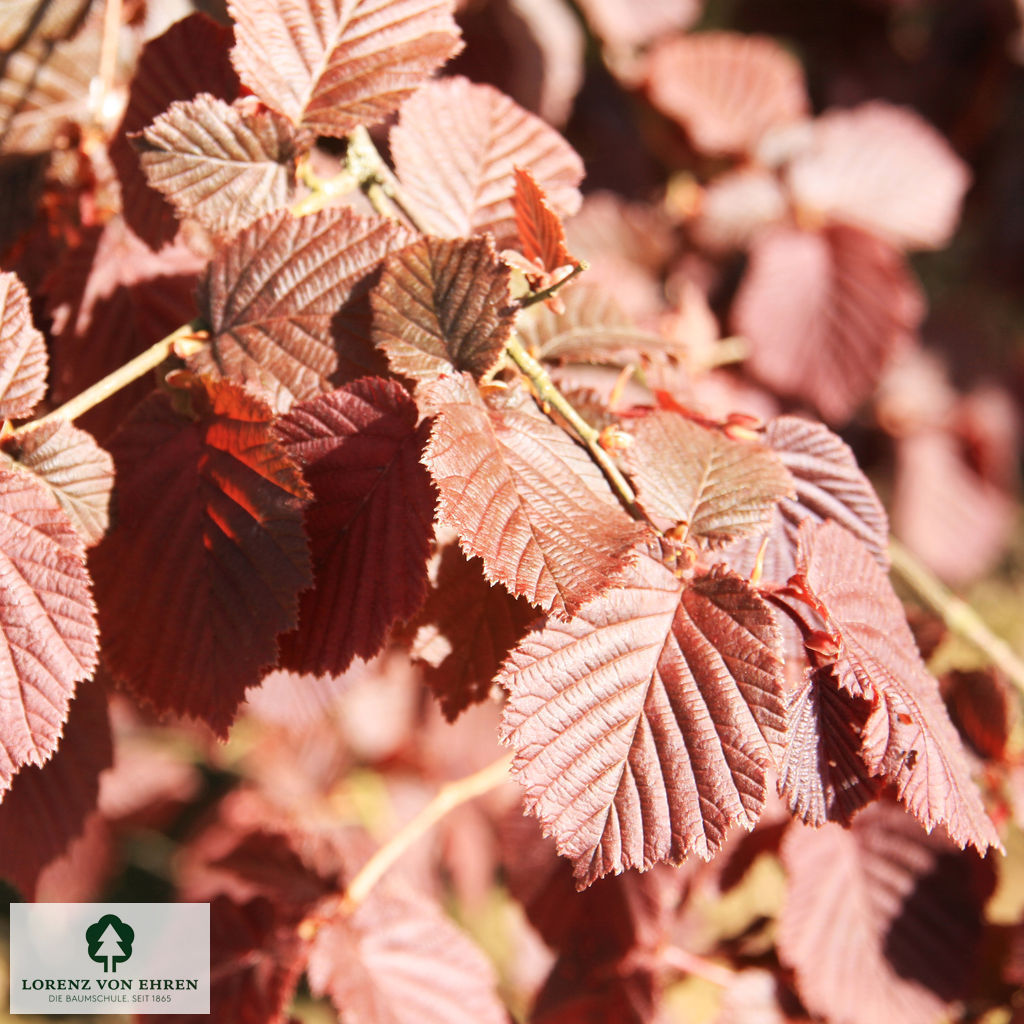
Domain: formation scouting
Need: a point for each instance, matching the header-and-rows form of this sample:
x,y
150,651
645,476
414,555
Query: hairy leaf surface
x,y
162,77
273,296
643,727
370,525
884,169
725,89
48,805
712,488
221,164
524,497
333,65
398,958
442,306
47,622
881,921
467,627
456,146
908,738
23,361
827,341
77,471
224,551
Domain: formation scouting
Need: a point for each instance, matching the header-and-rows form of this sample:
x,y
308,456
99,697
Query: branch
x,y
545,293
364,162
548,393
450,796
690,963
186,340
957,614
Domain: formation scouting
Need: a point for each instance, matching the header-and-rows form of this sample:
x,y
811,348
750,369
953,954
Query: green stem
x,y
956,613
545,293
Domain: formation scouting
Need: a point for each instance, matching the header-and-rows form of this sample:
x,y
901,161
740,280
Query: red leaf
x,y
23,360
909,739
272,294
883,169
223,549
398,959
442,306
881,921
370,526
822,774
490,135
222,164
42,19
984,709
47,806
466,628
333,66
643,726
77,471
541,235
524,497
47,621
737,206
725,89
622,24
713,489
161,77
829,485
828,341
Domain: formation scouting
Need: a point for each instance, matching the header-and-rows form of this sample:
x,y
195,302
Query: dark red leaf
x,y
162,77
273,294
466,628
23,361
47,621
47,807
708,488
541,235
219,163
881,921
442,306
333,66
223,549
398,959
908,739
984,709
822,774
627,994
828,341
643,727
524,497
77,471
883,169
370,524
456,146
724,88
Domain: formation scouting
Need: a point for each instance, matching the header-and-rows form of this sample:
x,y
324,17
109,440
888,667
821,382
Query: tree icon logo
x,y
110,942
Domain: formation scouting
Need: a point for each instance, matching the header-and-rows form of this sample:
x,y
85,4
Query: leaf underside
x,y
23,361
643,728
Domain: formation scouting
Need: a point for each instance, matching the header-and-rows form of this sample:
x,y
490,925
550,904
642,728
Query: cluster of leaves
x,y
393,448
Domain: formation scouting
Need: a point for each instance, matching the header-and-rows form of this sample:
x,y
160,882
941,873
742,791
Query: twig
x,y
548,393
450,796
956,613
690,963
324,190
108,60
183,342
365,163
545,293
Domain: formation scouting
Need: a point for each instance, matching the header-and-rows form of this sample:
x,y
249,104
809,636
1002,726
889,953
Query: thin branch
x,y
365,163
690,963
956,613
545,293
104,83
324,190
548,393
183,342
450,796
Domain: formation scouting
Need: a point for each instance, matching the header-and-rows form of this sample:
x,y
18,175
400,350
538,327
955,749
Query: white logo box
x,y
110,958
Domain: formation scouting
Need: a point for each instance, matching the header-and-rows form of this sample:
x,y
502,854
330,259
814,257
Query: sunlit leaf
x,y
220,164
275,294
370,524
524,497
620,23
224,551
23,361
541,235
336,64
642,727
456,146
47,622
442,306
41,19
